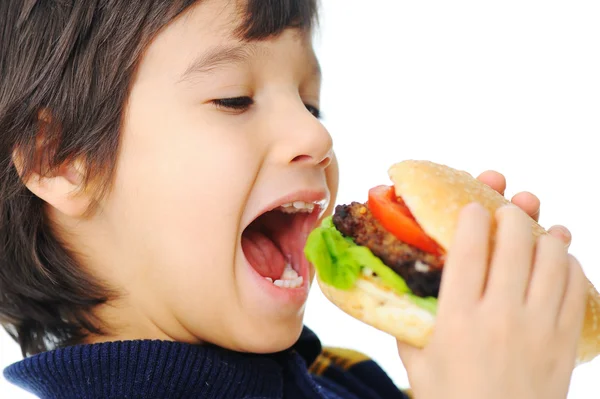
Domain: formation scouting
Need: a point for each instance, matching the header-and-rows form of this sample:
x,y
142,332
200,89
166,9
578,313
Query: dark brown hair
x,y
73,62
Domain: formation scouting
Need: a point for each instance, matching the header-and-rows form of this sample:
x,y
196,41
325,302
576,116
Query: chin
x,y
270,336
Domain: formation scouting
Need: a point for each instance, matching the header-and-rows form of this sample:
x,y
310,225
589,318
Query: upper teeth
x,y
298,206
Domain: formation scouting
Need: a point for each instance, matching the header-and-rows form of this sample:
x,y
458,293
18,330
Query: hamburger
x,y
382,261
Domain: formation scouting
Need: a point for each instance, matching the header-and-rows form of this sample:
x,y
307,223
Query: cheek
x,y
181,200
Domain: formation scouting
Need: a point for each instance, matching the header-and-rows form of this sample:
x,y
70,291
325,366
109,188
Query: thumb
x,y
408,354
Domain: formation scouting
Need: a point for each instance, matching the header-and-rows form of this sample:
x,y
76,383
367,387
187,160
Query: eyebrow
x,y
220,56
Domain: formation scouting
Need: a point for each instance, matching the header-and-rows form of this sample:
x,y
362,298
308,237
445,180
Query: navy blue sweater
x,y
162,369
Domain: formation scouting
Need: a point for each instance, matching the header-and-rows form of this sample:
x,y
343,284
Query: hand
x,y
508,320
526,201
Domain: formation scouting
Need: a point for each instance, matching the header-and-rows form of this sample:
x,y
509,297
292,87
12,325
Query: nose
x,y
303,140
322,162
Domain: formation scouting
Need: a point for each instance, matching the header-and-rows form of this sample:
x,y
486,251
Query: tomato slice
x,y
396,218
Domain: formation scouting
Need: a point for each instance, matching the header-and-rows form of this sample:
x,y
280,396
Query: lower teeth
x,y
289,273
295,283
289,278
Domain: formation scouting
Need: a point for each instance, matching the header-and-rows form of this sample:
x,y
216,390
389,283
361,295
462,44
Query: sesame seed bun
x,y
435,195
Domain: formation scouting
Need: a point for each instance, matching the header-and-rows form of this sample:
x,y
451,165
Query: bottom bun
x,y
400,317
383,309
589,343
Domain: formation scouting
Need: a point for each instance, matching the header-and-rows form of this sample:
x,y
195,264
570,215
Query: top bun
x,y
435,194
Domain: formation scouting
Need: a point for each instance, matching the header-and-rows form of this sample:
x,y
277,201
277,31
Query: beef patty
x,y
422,271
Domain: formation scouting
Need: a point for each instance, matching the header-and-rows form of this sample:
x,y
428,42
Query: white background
x,y
512,86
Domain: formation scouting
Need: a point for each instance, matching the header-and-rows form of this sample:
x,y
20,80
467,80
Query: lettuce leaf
x,y
339,262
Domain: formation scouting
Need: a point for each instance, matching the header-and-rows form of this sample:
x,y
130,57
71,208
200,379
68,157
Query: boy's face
x,y
193,174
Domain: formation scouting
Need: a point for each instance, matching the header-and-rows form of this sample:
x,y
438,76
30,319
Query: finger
x,y
549,277
510,266
407,353
493,179
465,269
528,203
572,312
562,233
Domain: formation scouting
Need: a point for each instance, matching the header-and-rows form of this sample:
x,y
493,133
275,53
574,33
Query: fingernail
x,y
507,207
475,206
564,232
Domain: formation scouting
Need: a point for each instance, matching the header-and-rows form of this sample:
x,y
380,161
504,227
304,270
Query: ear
x,y
63,188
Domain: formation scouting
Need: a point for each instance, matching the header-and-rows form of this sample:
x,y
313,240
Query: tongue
x,y
263,254
274,235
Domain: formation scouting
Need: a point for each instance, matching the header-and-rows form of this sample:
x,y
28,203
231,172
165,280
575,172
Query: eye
x,y
234,103
313,110
241,104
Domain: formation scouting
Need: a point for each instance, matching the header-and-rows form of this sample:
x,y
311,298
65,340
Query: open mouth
x,y
274,242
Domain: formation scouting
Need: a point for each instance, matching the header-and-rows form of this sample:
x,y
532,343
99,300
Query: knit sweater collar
x,y
158,369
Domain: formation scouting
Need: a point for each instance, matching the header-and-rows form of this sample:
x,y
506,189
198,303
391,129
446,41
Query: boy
x,y
162,164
